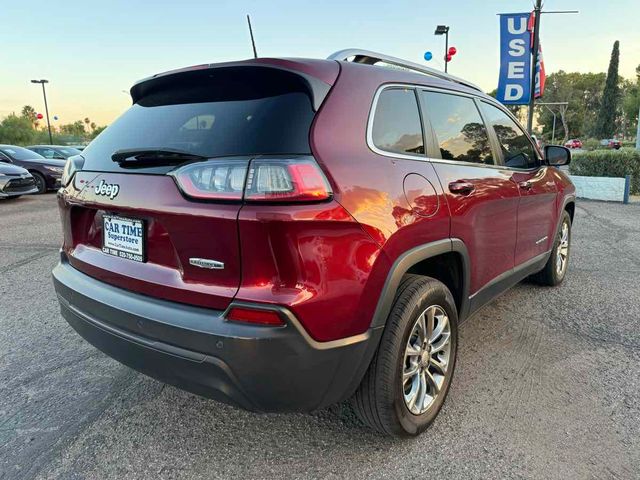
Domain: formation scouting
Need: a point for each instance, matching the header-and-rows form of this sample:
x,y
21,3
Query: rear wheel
x,y
409,377
40,182
555,269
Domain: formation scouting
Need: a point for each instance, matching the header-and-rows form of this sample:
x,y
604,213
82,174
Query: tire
x,y
551,275
382,401
41,183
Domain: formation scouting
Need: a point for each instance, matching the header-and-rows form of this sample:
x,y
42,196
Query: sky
x,y
92,52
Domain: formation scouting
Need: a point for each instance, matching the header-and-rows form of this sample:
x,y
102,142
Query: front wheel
x,y
41,183
409,377
555,269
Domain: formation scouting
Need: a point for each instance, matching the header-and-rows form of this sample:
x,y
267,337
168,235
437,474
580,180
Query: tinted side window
x,y
458,127
517,150
396,122
46,152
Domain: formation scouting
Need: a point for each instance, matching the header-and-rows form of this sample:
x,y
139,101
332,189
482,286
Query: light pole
x,y
638,132
444,30
46,108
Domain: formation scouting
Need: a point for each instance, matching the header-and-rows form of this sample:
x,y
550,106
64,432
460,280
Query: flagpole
x,y
534,64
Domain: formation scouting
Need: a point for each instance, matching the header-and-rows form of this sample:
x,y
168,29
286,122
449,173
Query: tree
x,y
606,123
76,128
630,93
582,92
97,131
30,113
16,130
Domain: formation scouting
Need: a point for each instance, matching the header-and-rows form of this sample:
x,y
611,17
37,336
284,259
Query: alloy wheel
x,y
426,359
562,257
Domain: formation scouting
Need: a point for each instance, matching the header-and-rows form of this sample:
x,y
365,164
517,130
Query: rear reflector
x,y
257,317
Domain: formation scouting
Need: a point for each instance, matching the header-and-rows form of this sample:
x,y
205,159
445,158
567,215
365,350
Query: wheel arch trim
x,y
567,200
410,258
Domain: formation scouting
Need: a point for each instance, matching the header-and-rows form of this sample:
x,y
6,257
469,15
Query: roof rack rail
x,y
371,58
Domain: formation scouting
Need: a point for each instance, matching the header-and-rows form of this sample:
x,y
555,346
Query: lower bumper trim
x,y
196,349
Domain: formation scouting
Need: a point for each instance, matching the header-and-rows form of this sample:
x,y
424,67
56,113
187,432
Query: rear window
x,y
396,122
69,151
239,111
19,153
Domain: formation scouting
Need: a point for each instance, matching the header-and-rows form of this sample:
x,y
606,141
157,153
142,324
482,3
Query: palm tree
x,y
29,112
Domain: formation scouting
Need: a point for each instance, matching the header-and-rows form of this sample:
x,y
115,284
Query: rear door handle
x,y
460,187
526,185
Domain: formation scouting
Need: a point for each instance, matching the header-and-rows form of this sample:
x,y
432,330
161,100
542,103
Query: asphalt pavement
x,y
547,385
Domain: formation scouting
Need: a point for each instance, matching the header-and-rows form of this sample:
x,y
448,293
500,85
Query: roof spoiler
x,y
317,88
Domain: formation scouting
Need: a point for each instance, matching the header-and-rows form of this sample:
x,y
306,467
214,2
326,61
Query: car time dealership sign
x,y
514,85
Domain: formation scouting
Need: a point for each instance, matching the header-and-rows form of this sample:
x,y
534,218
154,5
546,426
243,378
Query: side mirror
x,y
556,156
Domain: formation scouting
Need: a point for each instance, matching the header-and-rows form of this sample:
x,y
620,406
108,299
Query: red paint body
x,y
328,261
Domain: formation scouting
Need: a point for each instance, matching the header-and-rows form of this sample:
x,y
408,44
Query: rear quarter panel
x,y
369,185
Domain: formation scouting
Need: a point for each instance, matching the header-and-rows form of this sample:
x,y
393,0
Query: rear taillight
x,y
286,180
213,179
264,179
255,316
73,165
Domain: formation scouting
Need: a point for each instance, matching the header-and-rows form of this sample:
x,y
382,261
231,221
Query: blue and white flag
x,y
514,84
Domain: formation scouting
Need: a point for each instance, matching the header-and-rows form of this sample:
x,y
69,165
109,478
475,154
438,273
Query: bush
x,y
608,163
591,144
16,130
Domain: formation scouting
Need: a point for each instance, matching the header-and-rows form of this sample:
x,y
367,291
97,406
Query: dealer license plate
x,y
123,237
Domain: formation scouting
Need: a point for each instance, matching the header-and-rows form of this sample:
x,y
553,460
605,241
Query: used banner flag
x,y
514,84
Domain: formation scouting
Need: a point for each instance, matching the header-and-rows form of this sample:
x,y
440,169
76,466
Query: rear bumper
x,y
196,349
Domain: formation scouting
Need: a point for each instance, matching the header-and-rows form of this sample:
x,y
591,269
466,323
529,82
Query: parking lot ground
x,y
547,385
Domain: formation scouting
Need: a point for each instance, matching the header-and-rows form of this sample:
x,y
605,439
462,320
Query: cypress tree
x,y
606,124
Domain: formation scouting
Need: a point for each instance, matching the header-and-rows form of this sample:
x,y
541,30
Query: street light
x,y
46,108
444,30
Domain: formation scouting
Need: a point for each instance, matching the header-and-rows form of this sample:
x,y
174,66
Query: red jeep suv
x,y
284,234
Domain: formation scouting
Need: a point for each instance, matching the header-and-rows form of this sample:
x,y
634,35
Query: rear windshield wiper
x,y
151,157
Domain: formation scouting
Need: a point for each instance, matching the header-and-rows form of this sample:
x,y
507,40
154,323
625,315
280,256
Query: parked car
x,y
284,234
15,181
59,152
46,171
611,143
573,143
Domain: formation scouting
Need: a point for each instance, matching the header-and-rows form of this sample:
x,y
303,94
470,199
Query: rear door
x,y
482,199
130,224
537,212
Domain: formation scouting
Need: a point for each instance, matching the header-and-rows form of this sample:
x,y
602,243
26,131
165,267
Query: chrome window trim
x,y
426,158
371,144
